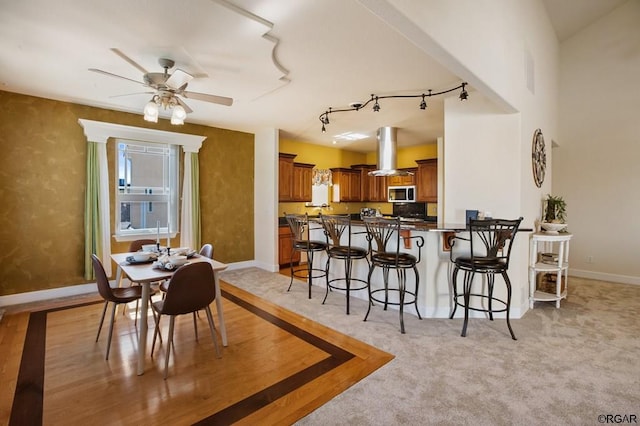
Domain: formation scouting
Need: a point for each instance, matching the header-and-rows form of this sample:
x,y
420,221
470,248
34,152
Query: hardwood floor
x,y
277,368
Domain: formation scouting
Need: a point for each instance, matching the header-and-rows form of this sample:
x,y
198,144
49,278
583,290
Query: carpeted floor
x,y
569,366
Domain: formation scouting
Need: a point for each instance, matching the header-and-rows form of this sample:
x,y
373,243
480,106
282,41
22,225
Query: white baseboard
x,y
54,293
602,276
76,290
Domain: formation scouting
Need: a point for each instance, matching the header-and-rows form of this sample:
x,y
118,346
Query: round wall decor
x,y
538,158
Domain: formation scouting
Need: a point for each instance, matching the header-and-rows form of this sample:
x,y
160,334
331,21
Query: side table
x,y
556,262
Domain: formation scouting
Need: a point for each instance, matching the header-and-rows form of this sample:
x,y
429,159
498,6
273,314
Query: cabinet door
x,y
285,177
285,247
355,193
427,180
302,174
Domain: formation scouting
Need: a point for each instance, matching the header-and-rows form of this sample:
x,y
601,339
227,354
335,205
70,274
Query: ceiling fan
x,y
167,89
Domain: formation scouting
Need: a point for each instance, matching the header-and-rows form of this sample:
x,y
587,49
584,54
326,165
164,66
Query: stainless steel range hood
x,y
387,147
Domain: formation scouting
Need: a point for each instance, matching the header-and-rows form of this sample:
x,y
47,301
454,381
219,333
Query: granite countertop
x,y
418,225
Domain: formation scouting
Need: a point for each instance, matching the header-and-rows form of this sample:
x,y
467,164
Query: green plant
x,y
555,209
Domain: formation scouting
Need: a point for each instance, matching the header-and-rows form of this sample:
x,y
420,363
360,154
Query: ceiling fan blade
x,y
129,60
115,75
183,105
129,94
178,79
208,98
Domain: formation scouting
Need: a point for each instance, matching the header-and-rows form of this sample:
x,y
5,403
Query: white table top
x,y
145,272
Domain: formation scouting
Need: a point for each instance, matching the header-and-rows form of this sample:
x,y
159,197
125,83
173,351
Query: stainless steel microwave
x,y
401,194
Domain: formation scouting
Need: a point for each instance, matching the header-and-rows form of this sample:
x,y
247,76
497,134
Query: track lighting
x,y
356,106
464,95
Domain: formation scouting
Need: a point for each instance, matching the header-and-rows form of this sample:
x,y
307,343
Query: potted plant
x,y
554,214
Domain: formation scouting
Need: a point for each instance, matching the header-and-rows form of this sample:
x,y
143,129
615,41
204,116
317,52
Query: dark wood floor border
x,y
27,406
253,403
28,398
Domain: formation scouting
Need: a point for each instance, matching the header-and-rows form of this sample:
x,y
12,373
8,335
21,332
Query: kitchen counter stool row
x,y
383,251
386,240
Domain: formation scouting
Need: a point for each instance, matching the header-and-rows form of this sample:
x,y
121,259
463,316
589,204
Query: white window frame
x,y
167,193
100,132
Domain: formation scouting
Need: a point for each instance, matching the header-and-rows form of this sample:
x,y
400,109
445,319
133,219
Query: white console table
x,y
558,244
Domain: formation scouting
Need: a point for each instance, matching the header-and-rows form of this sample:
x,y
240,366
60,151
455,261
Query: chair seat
x,y
127,294
481,264
393,258
343,252
309,245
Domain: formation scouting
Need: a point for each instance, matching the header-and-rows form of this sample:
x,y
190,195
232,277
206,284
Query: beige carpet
x,y
568,367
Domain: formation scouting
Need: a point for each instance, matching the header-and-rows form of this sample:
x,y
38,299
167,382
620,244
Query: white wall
x,y
597,163
266,199
508,52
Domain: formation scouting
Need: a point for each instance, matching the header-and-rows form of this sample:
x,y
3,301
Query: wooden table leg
x,y
142,342
223,327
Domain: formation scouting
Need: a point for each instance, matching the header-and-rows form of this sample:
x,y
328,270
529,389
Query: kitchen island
x,y
434,268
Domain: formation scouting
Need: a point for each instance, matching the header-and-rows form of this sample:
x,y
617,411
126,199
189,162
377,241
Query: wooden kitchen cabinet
x,y
348,180
302,181
285,177
403,180
285,247
294,179
372,188
427,180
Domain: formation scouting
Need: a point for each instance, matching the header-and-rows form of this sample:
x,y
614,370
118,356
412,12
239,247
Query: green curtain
x,y
92,231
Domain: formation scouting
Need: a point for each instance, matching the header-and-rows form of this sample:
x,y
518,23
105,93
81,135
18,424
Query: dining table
x,y
146,273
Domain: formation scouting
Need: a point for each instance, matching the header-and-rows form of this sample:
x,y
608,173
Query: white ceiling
x,y
284,62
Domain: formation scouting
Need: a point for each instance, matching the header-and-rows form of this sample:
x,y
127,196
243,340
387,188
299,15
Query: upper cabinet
x,y
285,177
403,180
294,179
427,180
302,181
346,184
372,188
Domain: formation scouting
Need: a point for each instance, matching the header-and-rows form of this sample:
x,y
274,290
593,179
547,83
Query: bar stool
x,y
302,242
380,233
490,243
337,228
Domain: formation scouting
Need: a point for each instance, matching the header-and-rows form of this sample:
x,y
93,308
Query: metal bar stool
x,y
302,242
380,232
490,243
337,228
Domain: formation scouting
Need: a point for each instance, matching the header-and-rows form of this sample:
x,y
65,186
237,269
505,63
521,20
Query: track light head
x,y
464,95
376,106
423,104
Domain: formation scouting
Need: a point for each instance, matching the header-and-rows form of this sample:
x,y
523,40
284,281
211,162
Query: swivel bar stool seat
x,y
337,228
387,255
302,242
490,243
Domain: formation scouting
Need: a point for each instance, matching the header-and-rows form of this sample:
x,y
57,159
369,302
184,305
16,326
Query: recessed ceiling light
x,y
350,136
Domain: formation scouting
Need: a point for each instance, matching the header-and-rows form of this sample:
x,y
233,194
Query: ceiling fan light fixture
x,y
178,115
151,111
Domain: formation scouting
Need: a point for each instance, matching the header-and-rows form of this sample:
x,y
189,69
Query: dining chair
x,y
117,296
136,245
207,251
191,288
489,243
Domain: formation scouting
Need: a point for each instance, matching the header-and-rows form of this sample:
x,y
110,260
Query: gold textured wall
x,y
42,184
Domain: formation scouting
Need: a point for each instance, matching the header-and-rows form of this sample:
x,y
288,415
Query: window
x,y
147,189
